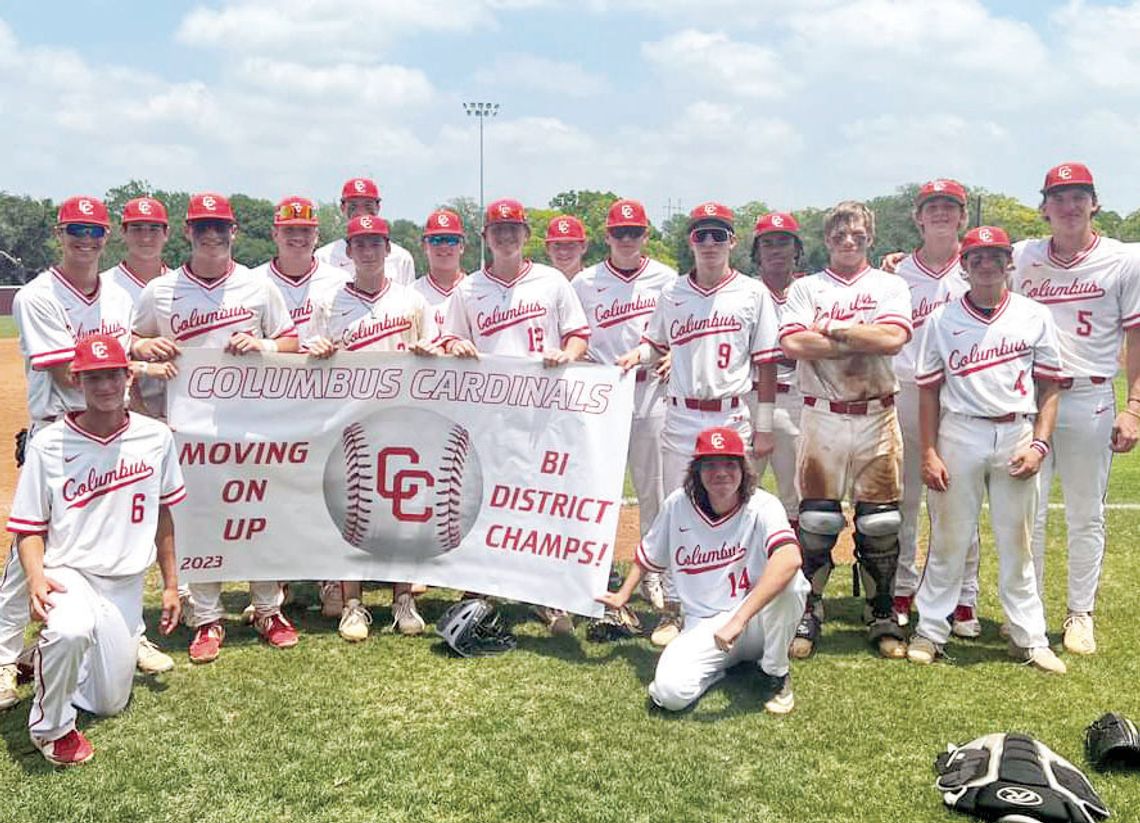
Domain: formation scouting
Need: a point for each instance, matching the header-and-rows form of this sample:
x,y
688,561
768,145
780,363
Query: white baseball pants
x,y
207,598
692,663
14,613
977,453
1082,456
907,577
786,433
86,654
644,456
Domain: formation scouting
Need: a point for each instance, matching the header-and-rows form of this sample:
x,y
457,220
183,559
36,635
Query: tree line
x,y
28,246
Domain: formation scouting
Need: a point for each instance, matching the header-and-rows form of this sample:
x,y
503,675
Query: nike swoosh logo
x,y
69,459
958,332
675,303
482,297
175,298
1101,410
682,528
602,289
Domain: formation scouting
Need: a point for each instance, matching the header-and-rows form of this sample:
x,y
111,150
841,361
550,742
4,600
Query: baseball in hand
x,y
404,482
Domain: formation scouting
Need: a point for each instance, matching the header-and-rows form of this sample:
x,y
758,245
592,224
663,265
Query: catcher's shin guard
x,y
820,523
877,549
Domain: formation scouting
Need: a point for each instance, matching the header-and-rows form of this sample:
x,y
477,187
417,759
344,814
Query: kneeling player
x,y
984,430
735,564
91,505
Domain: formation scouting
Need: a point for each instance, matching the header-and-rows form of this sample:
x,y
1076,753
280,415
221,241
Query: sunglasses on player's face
x,y
85,230
627,232
207,226
715,234
444,240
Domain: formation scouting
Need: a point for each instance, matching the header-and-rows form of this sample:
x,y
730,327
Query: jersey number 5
x,y
1084,323
739,585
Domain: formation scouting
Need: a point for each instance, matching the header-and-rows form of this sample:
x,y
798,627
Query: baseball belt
x,y
857,407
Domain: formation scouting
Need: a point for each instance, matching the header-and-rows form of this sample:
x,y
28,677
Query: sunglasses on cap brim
x,y
85,230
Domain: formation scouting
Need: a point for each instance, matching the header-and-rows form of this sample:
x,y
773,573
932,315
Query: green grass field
x,y
7,326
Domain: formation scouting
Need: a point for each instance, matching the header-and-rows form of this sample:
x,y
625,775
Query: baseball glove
x,y
1112,740
21,445
1012,777
615,624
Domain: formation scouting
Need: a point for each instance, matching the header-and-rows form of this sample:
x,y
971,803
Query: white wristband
x,y
269,345
765,413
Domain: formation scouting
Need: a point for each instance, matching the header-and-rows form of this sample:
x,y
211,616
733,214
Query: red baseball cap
x,y
564,228
711,212
87,210
360,187
985,237
950,189
144,210
295,211
626,213
442,222
209,206
1068,174
99,351
367,224
719,442
775,222
505,211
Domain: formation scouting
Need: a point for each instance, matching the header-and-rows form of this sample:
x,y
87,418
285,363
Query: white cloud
x,y
528,71
1102,43
713,61
387,85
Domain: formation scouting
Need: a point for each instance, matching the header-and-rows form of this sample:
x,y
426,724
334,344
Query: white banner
x,y
494,475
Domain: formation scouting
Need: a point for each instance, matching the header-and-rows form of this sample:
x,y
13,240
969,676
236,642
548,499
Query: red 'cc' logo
x,y
85,207
564,226
777,220
443,220
404,484
1064,172
209,203
986,235
358,185
627,211
717,441
144,207
99,349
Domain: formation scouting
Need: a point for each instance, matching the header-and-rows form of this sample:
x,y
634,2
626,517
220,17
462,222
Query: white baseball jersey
x,y
96,499
929,289
206,313
716,335
399,265
301,295
785,366
988,364
51,317
714,562
869,297
618,305
152,390
123,277
392,319
437,297
535,312
1094,298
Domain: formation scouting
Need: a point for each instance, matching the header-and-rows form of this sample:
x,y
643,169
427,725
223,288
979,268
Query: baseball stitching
x,y
449,489
359,482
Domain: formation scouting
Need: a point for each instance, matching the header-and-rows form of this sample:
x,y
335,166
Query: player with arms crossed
x,y
619,295
372,313
443,241
933,273
360,196
987,369
517,308
91,505
566,244
53,312
1091,284
736,565
777,252
213,302
844,325
720,329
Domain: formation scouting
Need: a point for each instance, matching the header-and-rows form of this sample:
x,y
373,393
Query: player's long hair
x,y
700,496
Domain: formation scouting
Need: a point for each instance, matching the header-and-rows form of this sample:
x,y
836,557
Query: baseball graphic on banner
x,y
404,481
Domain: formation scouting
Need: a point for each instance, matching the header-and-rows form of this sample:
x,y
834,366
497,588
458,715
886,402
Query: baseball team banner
x,y
494,475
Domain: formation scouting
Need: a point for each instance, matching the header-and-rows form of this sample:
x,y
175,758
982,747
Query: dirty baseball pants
x,y
86,654
1082,457
207,600
977,452
907,577
692,663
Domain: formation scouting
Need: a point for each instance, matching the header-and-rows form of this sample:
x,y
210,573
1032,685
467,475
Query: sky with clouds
x,y
669,101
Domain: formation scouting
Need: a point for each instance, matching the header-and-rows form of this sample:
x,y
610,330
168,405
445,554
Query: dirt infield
x,y
13,417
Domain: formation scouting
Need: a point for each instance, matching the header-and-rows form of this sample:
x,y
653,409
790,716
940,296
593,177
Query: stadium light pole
x,y
481,111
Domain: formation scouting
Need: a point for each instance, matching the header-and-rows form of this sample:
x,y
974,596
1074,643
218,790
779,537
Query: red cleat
x,y
70,750
207,642
276,631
